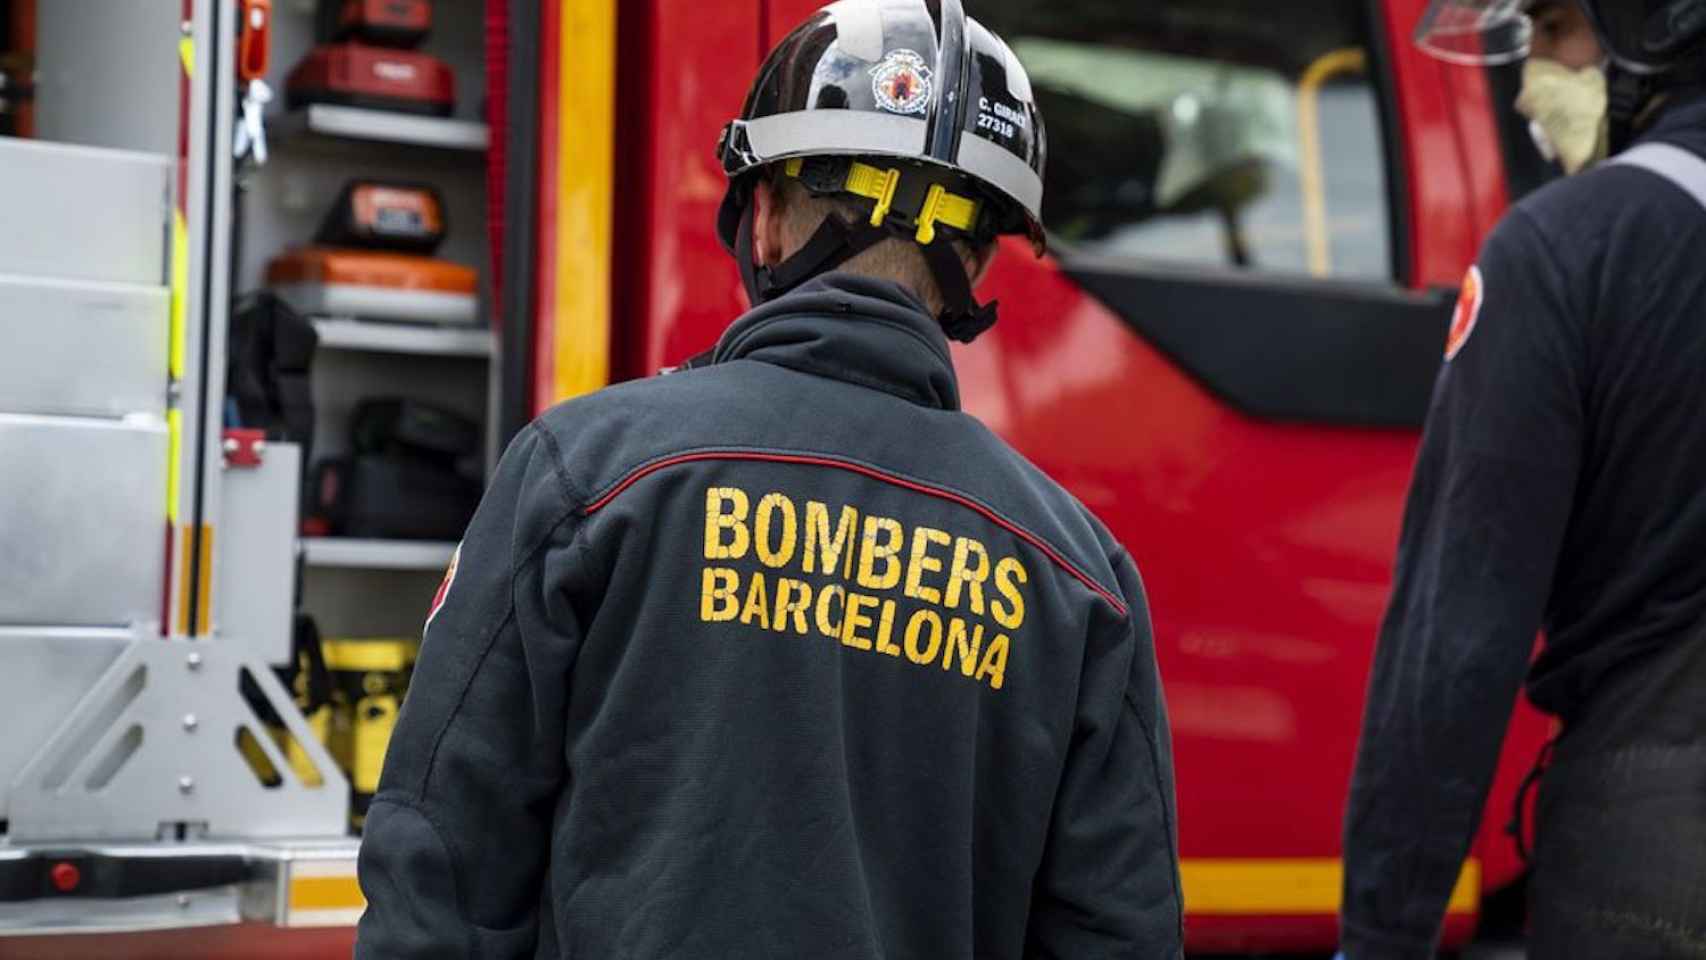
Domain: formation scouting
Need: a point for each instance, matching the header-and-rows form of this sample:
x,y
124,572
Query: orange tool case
x,y
375,284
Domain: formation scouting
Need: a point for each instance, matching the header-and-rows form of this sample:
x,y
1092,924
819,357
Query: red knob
x,y
65,877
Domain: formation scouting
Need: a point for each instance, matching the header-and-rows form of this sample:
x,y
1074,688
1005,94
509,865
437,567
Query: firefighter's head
x,y
1563,34
1597,70
893,138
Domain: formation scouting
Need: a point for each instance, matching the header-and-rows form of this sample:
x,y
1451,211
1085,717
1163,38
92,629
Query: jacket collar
x,y
850,328
1681,119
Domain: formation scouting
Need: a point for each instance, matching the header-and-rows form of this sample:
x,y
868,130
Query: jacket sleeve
x,y
457,838
1108,885
1487,513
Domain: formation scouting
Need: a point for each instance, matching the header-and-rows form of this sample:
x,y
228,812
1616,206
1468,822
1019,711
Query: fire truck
x,y
1259,216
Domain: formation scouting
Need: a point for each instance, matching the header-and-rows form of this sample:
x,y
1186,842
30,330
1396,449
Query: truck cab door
x,y
1227,356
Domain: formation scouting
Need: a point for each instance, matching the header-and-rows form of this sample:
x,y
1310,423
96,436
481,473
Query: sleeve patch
x,y
444,587
1467,314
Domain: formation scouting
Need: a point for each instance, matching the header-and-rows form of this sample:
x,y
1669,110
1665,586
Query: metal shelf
x,y
356,123
343,333
377,554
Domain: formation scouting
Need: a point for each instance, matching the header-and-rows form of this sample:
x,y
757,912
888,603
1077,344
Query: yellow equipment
x,y
368,677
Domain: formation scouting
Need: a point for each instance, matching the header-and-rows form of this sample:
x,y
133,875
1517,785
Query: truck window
x,y
1216,132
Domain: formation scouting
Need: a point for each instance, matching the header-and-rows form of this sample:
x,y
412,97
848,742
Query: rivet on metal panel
x,y
190,723
194,661
183,901
186,784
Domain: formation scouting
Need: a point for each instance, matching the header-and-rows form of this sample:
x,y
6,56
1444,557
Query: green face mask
x,y
1567,112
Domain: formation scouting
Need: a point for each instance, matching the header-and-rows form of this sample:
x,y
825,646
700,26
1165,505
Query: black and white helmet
x,y
1645,37
909,105
1650,36
1650,45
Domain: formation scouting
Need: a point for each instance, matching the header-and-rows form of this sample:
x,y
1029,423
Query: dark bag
x,y
269,361
393,497
392,426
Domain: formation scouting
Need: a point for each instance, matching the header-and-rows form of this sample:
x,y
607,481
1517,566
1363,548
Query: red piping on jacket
x,y
874,474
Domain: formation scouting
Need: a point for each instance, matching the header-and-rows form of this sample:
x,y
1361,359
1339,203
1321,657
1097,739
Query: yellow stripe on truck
x,y
1271,888
174,462
1299,887
201,574
586,187
325,893
180,295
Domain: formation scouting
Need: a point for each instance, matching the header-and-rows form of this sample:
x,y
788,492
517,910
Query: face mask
x,y
1566,110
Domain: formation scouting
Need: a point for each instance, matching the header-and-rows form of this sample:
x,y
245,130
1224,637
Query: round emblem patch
x,y
901,83
1467,314
444,587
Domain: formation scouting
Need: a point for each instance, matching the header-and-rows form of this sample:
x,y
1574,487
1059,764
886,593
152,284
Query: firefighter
x,y
783,654
1561,486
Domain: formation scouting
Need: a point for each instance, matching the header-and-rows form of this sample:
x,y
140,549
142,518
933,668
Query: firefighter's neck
x,y
780,229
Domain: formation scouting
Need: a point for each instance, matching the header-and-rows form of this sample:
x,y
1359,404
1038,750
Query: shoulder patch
x,y
1467,314
443,587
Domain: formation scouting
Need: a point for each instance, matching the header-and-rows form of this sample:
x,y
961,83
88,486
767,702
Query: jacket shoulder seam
x,y
486,644
490,640
571,493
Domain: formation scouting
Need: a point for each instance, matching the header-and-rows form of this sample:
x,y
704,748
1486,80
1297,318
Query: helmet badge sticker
x,y
1467,314
901,82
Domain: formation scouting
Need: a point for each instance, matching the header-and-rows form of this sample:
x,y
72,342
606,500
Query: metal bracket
x,y
166,742
286,883
219,906
244,448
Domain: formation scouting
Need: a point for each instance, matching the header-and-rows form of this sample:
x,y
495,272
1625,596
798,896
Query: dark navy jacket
x,y
785,656
1561,484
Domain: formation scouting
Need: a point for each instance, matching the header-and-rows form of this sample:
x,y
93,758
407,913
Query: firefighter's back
x,y
838,641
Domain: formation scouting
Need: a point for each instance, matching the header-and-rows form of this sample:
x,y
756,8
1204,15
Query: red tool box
x,y
359,75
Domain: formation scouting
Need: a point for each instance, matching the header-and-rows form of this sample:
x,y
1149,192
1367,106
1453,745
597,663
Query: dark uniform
x,y
785,656
1561,485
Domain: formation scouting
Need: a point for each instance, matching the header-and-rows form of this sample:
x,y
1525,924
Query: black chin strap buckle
x,y
968,324
962,317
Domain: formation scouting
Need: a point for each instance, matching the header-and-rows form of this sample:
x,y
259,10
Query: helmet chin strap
x,y
835,242
1628,94
962,317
